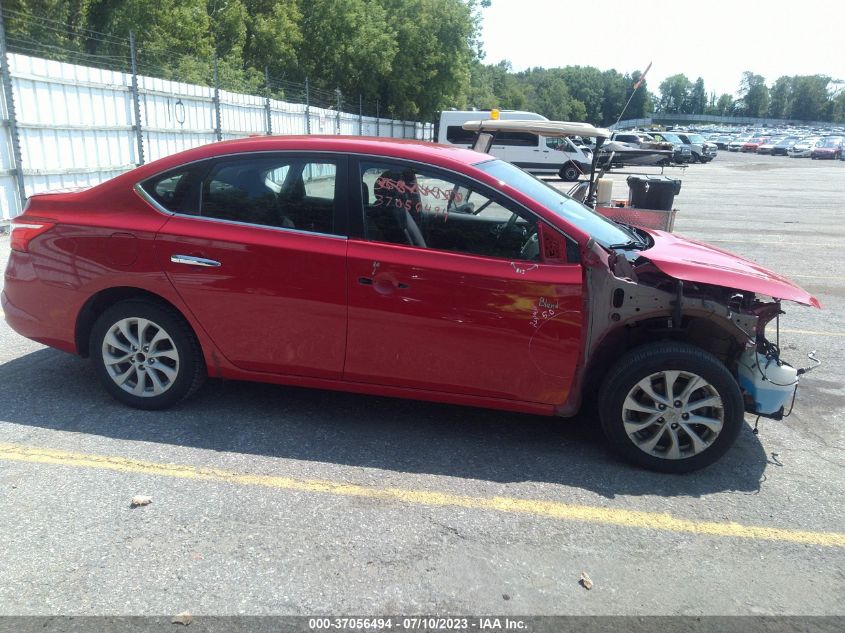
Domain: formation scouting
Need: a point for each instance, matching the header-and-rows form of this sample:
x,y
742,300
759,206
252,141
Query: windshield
x,y
830,142
601,229
672,138
696,138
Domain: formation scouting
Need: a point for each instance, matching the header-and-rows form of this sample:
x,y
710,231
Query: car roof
x,y
446,156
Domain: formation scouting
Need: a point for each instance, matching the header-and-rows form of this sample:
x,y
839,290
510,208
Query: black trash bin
x,y
653,192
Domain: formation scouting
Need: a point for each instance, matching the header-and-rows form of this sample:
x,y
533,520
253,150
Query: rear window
x,y
176,190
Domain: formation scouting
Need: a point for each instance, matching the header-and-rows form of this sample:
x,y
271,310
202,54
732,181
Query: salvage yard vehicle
x,y
830,147
682,151
782,147
803,148
404,269
703,151
752,144
536,154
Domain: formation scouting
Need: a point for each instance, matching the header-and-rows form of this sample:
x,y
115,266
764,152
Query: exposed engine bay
x,y
633,301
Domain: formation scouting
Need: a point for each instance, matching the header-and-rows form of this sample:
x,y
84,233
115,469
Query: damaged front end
x,y
631,299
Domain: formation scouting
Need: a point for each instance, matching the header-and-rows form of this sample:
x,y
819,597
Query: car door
x,y
449,290
259,257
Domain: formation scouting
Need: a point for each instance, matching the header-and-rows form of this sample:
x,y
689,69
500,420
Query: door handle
x,y
190,260
368,281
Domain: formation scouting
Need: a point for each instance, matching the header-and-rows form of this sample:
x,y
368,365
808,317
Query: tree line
x,y
800,97
411,57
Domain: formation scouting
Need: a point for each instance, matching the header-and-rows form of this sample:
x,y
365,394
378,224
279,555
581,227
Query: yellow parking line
x,y
548,509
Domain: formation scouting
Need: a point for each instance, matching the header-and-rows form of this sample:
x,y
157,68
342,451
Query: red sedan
x,y
397,268
752,144
831,147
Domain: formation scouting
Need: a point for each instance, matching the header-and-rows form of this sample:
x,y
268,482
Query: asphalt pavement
x,y
277,500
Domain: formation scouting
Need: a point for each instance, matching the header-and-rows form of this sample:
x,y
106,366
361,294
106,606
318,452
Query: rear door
x,y
259,257
449,291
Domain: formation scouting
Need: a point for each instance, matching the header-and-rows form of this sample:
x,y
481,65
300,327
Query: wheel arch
x,y
711,336
573,164
101,301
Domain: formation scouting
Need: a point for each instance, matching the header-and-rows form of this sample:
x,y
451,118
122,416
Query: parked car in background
x,y
531,152
829,147
703,151
803,148
723,141
781,148
736,144
752,144
768,146
403,269
682,152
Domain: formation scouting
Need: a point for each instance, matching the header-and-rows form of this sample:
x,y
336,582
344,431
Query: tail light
x,y
24,230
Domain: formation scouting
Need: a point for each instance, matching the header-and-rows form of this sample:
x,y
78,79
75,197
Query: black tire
x,y
189,366
644,361
696,158
569,172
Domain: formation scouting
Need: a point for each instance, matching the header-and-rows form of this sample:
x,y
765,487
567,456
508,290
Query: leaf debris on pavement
x,y
184,618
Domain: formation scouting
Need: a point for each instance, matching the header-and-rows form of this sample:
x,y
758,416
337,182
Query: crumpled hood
x,y
689,260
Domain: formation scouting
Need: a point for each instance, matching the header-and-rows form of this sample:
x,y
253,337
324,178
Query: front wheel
x,y
146,355
671,407
569,172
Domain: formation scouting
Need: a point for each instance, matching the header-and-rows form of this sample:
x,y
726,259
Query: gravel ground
x,y
72,545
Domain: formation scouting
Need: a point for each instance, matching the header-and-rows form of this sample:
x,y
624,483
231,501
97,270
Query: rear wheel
x,y
146,355
670,407
569,172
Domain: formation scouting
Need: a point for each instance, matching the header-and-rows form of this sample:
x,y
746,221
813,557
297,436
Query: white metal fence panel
x,y
9,201
76,124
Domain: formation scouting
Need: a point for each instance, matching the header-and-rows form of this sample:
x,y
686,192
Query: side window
x,y
518,139
458,135
176,190
292,193
403,205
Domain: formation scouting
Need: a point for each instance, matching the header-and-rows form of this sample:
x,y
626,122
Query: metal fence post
x,y
218,128
378,119
337,116
8,93
307,107
267,111
391,128
360,116
136,98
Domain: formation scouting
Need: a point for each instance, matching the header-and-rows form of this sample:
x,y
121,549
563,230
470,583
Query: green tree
x,y
810,98
549,95
837,114
347,44
698,98
724,105
675,94
642,102
273,36
754,95
586,84
780,98
431,68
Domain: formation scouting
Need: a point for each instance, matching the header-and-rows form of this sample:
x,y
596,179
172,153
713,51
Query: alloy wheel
x,y
140,357
673,414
